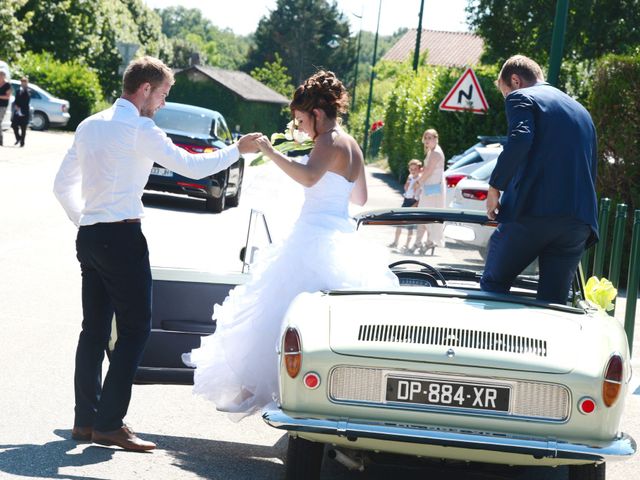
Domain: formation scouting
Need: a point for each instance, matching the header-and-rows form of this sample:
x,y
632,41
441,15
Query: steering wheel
x,y
431,271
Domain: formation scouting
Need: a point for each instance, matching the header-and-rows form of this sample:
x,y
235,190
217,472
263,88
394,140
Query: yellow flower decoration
x,y
601,292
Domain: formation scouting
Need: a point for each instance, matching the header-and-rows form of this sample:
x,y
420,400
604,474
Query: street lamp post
x,y
355,79
373,74
416,54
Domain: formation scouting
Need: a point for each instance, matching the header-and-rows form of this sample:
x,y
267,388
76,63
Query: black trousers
x,y
116,278
20,129
557,243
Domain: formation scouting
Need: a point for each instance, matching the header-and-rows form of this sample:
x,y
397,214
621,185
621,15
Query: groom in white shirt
x,y
100,185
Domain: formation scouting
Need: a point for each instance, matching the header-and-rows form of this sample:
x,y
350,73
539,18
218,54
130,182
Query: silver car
x,y
48,111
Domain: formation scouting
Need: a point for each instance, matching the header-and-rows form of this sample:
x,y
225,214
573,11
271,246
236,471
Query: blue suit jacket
x,y
548,165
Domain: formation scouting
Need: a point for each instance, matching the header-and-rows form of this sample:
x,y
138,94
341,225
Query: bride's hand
x,y
247,143
264,145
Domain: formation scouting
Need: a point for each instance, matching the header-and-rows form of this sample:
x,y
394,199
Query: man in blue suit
x,y
547,172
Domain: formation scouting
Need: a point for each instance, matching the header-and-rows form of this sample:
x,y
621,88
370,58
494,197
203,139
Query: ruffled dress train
x,y
237,366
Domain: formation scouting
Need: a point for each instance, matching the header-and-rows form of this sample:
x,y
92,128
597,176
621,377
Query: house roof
x,y
447,49
242,84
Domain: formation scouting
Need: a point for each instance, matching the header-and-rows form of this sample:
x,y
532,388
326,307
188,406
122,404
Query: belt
x,y
129,220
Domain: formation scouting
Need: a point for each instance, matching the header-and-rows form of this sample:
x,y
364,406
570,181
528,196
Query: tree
x,y
12,30
307,34
594,28
88,32
274,75
189,32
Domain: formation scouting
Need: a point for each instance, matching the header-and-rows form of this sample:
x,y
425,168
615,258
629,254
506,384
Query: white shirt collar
x,y
123,102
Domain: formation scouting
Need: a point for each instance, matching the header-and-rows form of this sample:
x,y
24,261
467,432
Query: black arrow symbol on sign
x,y
468,96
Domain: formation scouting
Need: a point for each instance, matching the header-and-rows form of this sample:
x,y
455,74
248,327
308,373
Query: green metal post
x,y
616,247
416,53
373,74
603,224
632,281
557,41
587,263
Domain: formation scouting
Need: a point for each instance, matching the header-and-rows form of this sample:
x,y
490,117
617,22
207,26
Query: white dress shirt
x,y
103,174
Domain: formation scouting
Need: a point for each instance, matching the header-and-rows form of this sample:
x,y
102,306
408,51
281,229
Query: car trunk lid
x,y
455,331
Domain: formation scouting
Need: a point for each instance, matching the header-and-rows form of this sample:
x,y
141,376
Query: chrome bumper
x,y
620,447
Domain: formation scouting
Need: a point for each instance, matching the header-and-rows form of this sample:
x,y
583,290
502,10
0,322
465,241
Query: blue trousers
x,y
558,244
116,278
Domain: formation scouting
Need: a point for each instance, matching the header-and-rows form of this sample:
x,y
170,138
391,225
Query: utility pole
x,y
373,74
557,41
416,53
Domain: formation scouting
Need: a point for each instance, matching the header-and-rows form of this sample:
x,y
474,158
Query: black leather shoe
x,y
123,438
82,434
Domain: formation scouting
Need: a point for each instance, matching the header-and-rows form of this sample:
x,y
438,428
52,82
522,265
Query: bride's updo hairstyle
x,y
321,90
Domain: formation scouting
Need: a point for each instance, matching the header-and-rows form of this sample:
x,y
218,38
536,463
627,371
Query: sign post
x,y
466,95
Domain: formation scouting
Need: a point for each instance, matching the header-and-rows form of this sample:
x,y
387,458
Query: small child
x,y
411,196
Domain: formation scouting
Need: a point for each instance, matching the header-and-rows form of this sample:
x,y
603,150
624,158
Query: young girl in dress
x,y
237,366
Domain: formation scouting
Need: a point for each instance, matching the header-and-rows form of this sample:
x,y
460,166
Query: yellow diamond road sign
x,y
466,95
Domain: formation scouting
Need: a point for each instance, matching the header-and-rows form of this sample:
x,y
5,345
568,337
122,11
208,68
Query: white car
x,y
470,195
438,370
467,164
48,111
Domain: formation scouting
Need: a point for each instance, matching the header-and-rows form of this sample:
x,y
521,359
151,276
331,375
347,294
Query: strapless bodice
x,y
329,196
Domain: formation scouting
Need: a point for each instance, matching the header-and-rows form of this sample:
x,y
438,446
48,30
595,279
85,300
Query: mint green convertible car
x,y
438,369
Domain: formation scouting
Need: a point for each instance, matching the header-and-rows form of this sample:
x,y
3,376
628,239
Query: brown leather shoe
x,y
124,438
82,434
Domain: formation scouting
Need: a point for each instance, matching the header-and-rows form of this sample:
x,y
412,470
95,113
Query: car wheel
x,y
216,205
587,472
40,121
304,459
234,200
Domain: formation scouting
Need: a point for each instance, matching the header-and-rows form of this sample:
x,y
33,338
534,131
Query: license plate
x,y
448,394
163,172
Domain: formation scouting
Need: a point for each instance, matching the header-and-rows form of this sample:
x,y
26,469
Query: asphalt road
x,y
40,318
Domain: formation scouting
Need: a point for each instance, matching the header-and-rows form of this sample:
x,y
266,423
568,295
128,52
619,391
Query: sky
x,y
242,16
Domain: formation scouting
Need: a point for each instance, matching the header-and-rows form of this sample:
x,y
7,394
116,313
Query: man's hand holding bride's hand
x,y
247,143
265,145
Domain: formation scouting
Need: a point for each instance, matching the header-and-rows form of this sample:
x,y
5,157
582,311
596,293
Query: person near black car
x,y
20,115
5,95
100,185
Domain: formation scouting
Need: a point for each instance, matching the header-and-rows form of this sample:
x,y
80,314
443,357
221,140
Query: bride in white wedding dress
x,y
237,366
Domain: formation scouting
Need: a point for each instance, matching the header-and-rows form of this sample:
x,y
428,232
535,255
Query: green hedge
x,y
72,81
615,107
413,105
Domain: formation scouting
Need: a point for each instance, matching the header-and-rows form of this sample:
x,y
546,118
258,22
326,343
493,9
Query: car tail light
x,y
475,194
311,380
586,405
292,352
196,148
612,383
191,185
453,180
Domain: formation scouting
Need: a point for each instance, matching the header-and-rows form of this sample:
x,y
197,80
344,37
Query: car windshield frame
x,y
460,259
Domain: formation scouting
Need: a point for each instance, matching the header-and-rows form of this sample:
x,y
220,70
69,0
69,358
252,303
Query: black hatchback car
x,y
197,130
